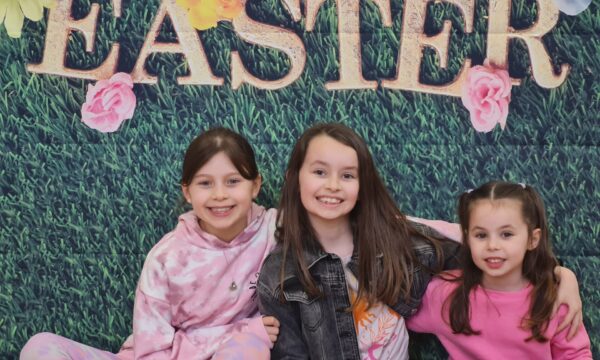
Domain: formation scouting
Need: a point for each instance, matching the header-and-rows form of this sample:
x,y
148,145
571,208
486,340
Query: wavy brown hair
x,y
538,264
378,226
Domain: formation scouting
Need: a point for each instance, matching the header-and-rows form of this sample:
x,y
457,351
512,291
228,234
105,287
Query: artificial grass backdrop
x,y
80,209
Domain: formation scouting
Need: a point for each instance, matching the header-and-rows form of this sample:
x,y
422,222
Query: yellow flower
x,y
13,12
230,8
204,14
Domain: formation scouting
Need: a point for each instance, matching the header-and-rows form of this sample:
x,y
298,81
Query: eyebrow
x,y
508,226
320,162
226,175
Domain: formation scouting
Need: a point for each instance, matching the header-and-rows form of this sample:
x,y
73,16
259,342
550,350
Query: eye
x,y
319,172
204,183
348,176
480,235
506,234
233,181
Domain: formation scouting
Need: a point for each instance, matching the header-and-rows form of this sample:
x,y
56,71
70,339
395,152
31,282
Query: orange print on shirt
x,y
362,316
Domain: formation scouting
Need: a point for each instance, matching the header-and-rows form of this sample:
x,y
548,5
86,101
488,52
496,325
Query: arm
x,y
577,347
428,318
568,294
289,343
447,229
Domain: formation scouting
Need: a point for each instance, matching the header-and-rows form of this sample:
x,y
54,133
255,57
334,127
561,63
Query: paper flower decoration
x,y
109,103
572,7
14,12
204,14
486,94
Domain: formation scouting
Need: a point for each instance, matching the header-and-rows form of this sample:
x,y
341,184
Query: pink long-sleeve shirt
x,y
498,315
184,306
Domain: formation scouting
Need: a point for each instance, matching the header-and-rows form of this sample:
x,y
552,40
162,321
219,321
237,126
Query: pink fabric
x,y
184,307
49,346
497,315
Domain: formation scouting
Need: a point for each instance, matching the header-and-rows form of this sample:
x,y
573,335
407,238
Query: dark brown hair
x,y
538,264
213,141
379,228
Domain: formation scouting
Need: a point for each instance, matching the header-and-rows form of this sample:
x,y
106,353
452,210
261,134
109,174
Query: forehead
x,y
505,211
323,148
219,164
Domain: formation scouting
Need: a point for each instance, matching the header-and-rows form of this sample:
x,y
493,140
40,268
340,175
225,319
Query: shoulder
x,y
270,272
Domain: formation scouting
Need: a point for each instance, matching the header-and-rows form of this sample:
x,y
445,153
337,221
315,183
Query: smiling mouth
x,y
329,201
221,211
494,262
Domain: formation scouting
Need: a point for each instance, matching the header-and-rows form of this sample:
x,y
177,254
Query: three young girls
x,y
501,301
195,298
345,245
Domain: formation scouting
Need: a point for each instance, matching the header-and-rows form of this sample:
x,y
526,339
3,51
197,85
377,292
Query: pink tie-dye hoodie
x,y
185,307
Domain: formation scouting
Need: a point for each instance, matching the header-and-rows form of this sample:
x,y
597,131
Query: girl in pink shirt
x,y
195,298
501,304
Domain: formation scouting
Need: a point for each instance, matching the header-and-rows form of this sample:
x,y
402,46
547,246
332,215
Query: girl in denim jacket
x,y
349,267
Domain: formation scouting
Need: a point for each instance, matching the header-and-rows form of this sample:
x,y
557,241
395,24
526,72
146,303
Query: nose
x,y
493,243
219,192
333,183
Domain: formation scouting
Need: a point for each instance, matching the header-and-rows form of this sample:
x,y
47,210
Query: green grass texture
x,y
80,209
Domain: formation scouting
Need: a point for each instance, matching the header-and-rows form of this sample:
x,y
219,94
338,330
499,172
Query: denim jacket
x,y
323,328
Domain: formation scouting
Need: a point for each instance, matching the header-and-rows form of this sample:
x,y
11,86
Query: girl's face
x,y
499,238
329,181
221,197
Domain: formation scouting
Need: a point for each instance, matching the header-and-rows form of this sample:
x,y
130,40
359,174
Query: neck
x,y
335,237
514,283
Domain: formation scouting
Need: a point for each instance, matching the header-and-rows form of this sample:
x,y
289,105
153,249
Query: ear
x,y
256,184
535,239
186,193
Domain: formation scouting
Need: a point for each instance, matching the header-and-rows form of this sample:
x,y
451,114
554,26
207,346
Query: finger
x,y
567,320
555,308
272,330
273,338
276,322
268,320
574,327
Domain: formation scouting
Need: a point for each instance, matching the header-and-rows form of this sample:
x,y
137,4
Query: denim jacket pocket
x,y
310,308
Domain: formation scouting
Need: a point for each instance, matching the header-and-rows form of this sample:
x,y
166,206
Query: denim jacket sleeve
x,y
289,344
428,262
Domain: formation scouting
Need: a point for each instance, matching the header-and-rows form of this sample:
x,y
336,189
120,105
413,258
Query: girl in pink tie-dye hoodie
x,y
195,298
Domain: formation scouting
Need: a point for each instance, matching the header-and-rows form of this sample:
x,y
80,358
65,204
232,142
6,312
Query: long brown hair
x,y
538,264
378,226
213,141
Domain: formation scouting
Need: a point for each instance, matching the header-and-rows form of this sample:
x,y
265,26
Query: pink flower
x,y
486,94
109,103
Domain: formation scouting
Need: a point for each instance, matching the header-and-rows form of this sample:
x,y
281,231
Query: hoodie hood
x,y
189,228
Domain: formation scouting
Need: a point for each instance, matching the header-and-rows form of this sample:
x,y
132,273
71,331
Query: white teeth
x,y
328,200
221,209
494,260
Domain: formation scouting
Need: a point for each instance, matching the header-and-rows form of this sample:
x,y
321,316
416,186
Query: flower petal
x,y
229,9
204,15
122,78
32,9
572,7
3,8
14,19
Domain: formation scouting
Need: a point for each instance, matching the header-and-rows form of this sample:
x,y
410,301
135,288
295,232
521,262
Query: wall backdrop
x,y
80,208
